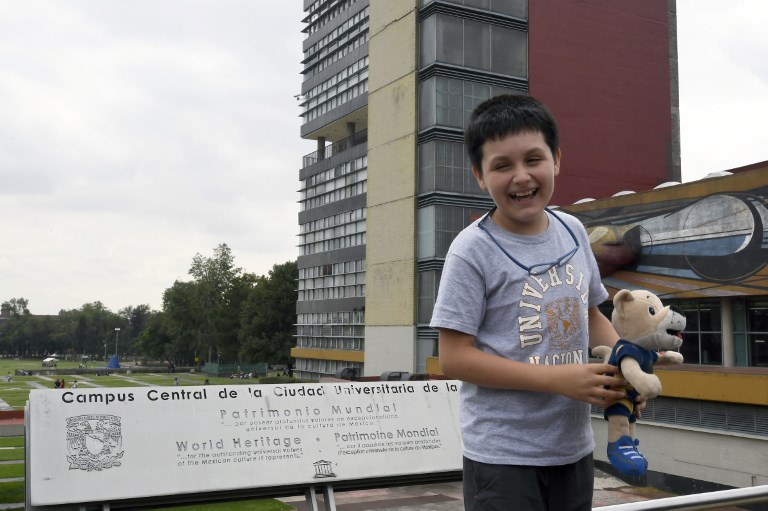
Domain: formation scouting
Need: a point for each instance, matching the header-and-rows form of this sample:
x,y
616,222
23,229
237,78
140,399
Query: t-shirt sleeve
x,y
460,303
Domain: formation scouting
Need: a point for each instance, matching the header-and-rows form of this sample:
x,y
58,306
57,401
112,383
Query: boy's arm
x,y
601,331
460,359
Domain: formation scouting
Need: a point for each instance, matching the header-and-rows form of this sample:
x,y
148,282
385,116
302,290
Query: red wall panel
x,y
602,67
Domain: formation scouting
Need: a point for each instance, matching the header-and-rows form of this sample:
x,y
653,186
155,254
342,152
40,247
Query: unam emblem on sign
x,y
94,442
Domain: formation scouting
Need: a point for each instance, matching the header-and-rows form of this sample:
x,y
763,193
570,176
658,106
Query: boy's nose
x,y
521,175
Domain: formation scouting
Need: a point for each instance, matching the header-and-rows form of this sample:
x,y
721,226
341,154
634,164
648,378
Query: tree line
x,y
222,314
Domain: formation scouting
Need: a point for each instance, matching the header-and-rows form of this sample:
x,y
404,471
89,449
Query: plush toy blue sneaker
x,y
625,457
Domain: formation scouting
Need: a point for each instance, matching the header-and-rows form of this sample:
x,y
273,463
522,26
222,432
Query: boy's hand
x,y
588,382
640,403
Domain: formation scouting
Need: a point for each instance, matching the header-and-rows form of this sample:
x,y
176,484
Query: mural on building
x,y
710,241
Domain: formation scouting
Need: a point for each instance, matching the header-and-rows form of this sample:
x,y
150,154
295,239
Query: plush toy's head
x,y
641,318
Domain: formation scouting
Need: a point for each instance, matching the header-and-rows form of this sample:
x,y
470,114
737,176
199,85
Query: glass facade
x,y
449,101
516,8
331,331
439,225
703,336
473,44
350,82
323,12
346,180
336,45
444,166
464,59
333,189
337,280
752,331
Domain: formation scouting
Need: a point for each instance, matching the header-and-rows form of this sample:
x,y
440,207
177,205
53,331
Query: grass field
x,y
16,393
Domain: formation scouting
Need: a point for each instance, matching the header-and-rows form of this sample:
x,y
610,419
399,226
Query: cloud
x,y
723,84
137,135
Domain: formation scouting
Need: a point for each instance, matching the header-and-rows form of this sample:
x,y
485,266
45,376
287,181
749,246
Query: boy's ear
x,y
479,177
558,156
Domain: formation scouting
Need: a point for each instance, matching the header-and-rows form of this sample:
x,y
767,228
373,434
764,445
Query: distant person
x,y
63,384
57,384
9,377
176,381
74,384
206,382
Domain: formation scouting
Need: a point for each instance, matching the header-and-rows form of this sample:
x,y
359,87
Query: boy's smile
x,y
518,171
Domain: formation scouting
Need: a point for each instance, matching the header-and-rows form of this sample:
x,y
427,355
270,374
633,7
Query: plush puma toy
x,y
646,328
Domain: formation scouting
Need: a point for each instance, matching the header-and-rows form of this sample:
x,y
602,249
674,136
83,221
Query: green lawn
x,y
11,470
12,492
16,392
12,454
11,441
15,396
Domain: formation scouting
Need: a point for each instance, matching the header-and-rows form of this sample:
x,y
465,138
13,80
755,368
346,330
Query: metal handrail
x,y
361,137
698,501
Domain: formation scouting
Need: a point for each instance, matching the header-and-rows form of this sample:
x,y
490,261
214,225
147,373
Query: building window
x,y
703,335
444,166
757,331
312,369
439,225
345,38
338,331
426,347
428,284
335,232
474,44
340,88
344,279
323,12
516,8
449,102
343,181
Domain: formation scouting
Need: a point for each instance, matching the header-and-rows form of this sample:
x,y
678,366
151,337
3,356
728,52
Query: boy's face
x,y
518,171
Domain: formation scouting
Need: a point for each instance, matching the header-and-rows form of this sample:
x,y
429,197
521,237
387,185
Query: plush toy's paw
x,y
670,357
625,458
601,352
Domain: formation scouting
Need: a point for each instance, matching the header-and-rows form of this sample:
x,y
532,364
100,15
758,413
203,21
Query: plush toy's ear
x,y
620,300
625,295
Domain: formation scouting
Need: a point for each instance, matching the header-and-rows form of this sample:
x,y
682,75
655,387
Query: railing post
x,y
328,497
311,497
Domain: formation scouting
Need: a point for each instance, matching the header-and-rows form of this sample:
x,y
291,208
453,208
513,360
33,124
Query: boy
x,y
516,309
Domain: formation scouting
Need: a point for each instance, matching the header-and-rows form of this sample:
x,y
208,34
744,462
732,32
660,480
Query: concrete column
x,y
320,148
351,133
726,318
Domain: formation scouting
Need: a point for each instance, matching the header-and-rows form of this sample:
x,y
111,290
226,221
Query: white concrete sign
x,y
102,445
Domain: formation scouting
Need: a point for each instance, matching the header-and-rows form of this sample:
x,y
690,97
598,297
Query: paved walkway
x,y
448,496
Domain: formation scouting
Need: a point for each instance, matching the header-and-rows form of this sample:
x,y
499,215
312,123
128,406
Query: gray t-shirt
x,y
538,319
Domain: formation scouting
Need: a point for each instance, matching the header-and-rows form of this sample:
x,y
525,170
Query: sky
x,y
135,135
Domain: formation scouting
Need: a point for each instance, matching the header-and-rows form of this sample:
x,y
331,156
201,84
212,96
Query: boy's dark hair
x,y
504,115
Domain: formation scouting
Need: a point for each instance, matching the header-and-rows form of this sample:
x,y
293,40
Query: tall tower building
x,y
388,87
